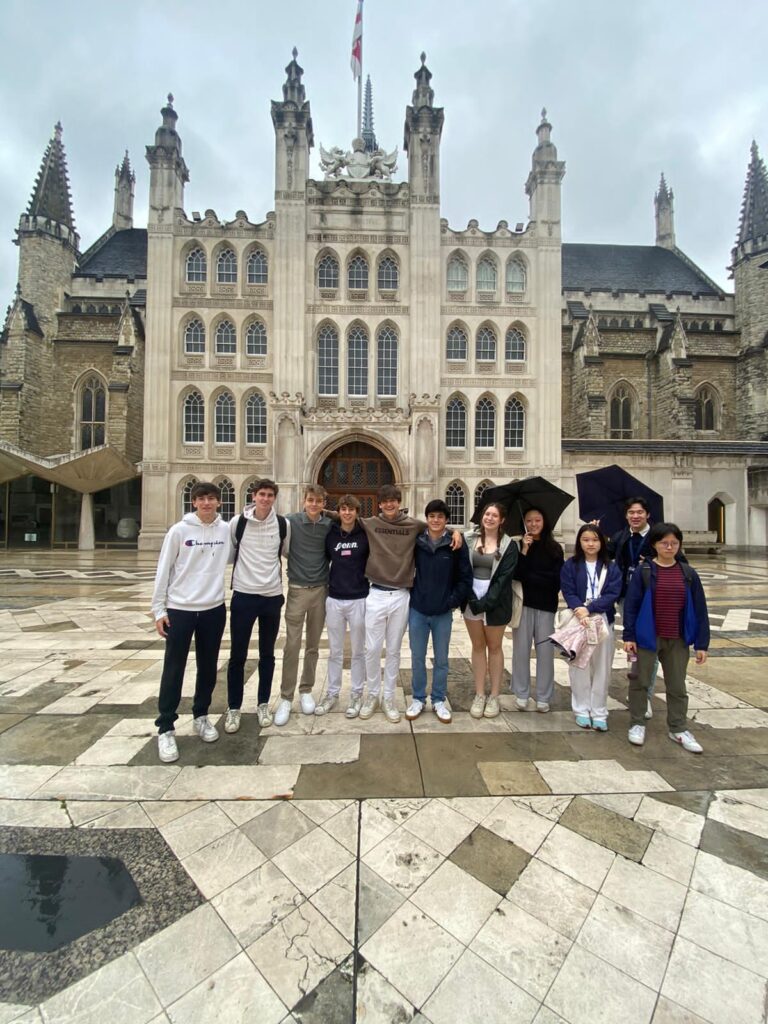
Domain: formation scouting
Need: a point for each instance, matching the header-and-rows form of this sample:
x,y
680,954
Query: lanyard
x,y
593,585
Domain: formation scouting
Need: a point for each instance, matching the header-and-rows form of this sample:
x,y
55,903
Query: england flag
x,y
356,62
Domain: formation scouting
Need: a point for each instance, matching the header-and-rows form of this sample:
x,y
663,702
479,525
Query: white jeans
x,y
386,617
589,686
339,614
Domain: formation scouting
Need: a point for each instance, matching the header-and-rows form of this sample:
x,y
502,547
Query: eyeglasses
x,y
668,543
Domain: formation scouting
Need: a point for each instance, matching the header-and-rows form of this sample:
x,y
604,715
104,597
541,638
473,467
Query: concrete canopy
x,y
85,472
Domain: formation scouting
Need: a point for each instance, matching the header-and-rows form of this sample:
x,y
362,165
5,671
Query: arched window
x,y
514,346
227,507
328,272
480,490
257,268
226,267
194,338
186,496
93,413
458,275
248,491
389,274
514,424
621,413
327,361
197,266
485,424
357,274
486,274
357,361
225,419
226,338
255,420
705,409
455,424
386,362
455,500
485,345
256,339
456,344
194,418
516,277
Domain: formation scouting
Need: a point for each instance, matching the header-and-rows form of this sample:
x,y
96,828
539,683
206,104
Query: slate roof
x,y
631,268
124,254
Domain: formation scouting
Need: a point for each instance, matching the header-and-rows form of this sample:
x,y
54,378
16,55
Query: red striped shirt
x,y
669,600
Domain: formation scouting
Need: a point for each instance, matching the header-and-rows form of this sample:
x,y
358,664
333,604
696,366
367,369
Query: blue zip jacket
x,y
443,577
573,583
639,622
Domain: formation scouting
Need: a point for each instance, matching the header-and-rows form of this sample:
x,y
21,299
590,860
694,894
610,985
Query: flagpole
x,y
360,84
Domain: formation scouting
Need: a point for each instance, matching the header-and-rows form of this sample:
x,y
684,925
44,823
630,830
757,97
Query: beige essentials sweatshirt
x,y
391,542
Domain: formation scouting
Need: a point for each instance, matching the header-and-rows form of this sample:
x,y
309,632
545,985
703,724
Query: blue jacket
x,y
619,548
573,583
443,577
639,622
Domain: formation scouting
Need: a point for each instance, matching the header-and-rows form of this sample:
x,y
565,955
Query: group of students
x,y
376,576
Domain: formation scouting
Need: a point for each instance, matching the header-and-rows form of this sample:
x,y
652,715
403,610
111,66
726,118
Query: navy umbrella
x,y
603,492
518,496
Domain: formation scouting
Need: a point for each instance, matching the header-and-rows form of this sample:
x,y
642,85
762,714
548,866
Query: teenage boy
x,y
307,590
260,537
346,547
188,601
443,582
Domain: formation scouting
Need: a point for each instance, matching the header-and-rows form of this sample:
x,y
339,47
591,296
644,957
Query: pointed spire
x,y
293,90
664,205
123,172
51,198
125,183
754,208
664,194
368,134
423,95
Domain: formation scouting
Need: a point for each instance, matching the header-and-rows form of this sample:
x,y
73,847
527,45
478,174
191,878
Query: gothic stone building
x,y
352,338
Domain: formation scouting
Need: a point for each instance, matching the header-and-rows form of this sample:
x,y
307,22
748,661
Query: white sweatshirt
x,y
258,569
190,570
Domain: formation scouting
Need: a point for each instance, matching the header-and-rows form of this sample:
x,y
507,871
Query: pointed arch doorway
x,y
356,468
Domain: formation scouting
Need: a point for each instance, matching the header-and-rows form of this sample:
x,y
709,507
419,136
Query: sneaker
x,y
166,747
207,732
636,735
443,711
542,707
521,703
232,721
264,715
599,725
687,741
477,707
282,712
369,705
327,704
492,707
583,721
390,710
353,710
414,709
307,702
649,710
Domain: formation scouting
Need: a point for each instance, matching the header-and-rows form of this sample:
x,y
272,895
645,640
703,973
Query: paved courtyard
x,y
508,870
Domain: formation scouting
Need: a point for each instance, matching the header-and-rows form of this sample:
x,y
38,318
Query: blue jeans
x,y
419,629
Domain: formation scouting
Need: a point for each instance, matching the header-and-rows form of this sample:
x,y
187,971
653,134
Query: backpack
x,y
645,573
282,526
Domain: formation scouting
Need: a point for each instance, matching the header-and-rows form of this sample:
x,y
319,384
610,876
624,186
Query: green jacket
x,y
497,602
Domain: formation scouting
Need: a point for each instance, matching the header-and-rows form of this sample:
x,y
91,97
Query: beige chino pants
x,y
303,604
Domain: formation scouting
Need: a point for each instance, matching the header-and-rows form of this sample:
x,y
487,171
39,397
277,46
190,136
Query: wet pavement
x,y
515,869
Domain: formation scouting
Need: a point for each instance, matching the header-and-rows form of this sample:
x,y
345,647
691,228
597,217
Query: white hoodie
x,y
190,571
258,569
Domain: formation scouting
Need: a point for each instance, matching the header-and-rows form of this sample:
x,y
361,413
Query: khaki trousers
x,y
303,603
673,654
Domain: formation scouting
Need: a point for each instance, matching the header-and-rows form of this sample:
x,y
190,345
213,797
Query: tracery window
x,y
256,339
621,413
455,500
328,272
197,266
255,420
257,268
389,274
227,506
357,362
514,346
485,345
194,338
516,276
194,419
225,419
480,490
485,424
486,274
456,344
705,409
327,361
357,274
458,275
514,424
226,338
93,413
186,496
386,362
226,267
455,424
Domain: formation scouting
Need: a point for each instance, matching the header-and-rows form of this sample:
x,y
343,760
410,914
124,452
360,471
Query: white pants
x,y
589,686
386,617
339,614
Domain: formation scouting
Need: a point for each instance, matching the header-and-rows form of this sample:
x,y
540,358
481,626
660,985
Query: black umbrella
x,y
518,496
603,492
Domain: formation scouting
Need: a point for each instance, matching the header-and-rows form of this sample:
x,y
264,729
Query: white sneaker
x,y
368,707
478,706
414,709
307,702
264,716
282,712
521,703
390,710
325,705
636,735
207,732
232,721
492,707
649,711
166,747
353,710
687,741
442,710
542,707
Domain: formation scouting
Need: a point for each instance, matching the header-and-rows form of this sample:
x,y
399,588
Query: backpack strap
x,y
645,571
239,531
282,525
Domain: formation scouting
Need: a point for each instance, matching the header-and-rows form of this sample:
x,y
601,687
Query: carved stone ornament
x,y
357,163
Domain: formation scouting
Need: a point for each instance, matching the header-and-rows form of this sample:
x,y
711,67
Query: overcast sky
x,y
631,89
